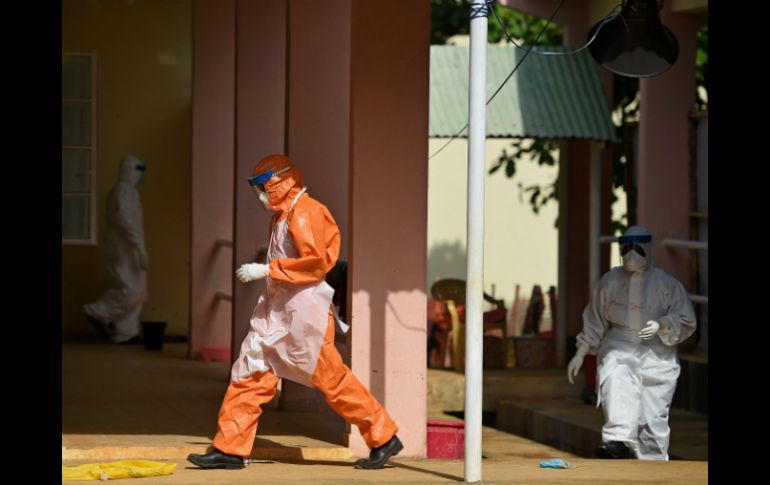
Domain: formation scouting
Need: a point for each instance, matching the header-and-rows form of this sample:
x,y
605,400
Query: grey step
x,y
570,425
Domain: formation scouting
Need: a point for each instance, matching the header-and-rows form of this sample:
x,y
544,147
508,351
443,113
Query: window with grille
x,y
78,151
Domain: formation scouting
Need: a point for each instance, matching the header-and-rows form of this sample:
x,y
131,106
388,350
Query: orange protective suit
x,y
292,328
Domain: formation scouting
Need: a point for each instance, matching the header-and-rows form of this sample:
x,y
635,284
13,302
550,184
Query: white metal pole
x,y
475,261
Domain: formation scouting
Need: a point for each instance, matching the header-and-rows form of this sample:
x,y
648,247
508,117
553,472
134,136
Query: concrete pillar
x,y
259,131
574,223
663,201
319,102
213,94
388,208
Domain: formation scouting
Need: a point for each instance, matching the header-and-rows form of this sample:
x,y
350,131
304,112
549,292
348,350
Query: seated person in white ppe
x,y
637,315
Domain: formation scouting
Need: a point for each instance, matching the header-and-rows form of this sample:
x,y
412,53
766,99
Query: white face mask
x,y
265,201
633,262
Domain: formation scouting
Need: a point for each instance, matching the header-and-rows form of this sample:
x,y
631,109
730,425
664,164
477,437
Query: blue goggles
x,y
629,243
634,239
259,180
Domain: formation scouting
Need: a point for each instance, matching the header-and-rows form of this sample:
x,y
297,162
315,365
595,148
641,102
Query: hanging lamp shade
x,y
635,43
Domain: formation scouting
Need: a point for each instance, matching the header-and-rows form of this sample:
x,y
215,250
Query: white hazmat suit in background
x,y
636,317
118,309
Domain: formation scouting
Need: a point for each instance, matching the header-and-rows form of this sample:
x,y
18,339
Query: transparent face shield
x,y
257,182
628,247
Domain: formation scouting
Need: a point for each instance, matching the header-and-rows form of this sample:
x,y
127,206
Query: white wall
x,y
520,246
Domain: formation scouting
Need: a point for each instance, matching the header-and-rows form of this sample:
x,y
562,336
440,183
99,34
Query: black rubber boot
x,y
216,459
617,450
380,455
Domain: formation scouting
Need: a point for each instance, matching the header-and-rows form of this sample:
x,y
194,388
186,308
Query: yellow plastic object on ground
x,y
117,469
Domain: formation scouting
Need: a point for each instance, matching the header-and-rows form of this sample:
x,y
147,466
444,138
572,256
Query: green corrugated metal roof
x,y
547,97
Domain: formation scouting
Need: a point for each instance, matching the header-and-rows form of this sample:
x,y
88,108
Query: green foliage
x,y
452,17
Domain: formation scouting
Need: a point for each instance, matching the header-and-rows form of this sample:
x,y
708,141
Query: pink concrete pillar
x,y
663,201
388,208
318,131
213,85
260,106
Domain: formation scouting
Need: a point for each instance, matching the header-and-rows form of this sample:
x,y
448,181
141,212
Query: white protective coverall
x,y
637,377
119,306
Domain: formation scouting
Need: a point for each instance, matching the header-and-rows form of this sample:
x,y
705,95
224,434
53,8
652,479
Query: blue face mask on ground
x,y
556,463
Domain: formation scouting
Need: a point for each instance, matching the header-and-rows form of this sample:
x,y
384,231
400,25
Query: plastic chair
x,y
452,293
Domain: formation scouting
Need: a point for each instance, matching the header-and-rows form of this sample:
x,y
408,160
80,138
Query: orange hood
x,y
281,189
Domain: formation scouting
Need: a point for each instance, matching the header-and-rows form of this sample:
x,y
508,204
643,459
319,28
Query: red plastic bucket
x,y
446,439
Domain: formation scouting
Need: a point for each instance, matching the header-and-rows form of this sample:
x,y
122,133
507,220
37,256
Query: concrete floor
x,y
125,402
414,471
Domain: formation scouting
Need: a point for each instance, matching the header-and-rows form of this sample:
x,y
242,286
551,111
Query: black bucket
x,y
153,333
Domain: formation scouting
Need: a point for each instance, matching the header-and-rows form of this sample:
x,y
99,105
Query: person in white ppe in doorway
x,y
116,313
635,319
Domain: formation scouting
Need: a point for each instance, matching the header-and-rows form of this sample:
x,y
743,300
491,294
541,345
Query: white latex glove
x,y
142,254
650,330
252,271
577,362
